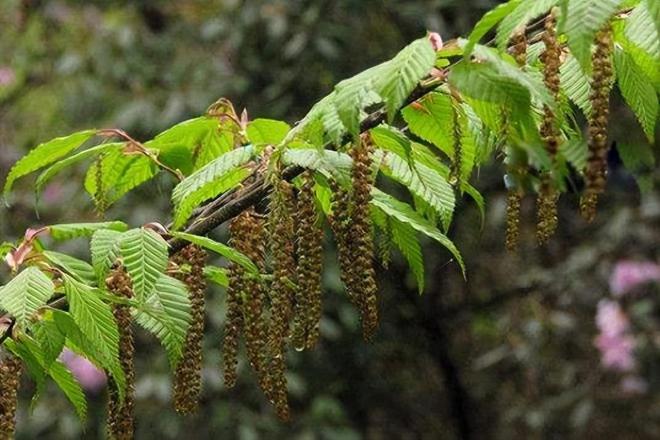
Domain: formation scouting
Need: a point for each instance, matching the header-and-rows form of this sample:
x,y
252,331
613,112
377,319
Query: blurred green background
x,y
507,354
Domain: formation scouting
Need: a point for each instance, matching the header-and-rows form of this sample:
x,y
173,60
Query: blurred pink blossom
x,y
91,378
628,274
7,76
616,345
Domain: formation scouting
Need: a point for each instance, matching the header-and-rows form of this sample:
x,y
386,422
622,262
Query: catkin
x,y
518,48
120,415
548,194
10,377
310,267
354,233
601,85
99,194
188,374
457,160
282,291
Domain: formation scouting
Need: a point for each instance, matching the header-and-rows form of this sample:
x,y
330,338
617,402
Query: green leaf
x,y
582,20
486,23
267,131
524,12
654,11
575,150
93,317
166,314
120,173
34,367
641,30
68,231
82,345
61,376
50,339
209,181
638,91
228,252
406,214
144,254
217,275
327,162
575,84
104,247
45,154
430,118
405,71
54,169
25,294
403,235
79,269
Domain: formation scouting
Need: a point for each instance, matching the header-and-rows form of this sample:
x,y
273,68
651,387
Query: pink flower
x,y
610,319
629,274
91,378
615,343
7,76
616,351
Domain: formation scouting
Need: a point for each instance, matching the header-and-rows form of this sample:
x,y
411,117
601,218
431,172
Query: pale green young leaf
x,y
654,11
219,141
166,314
406,214
61,165
582,20
329,163
79,269
33,366
68,231
46,154
220,184
267,131
144,256
641,30
430,118
228,252
25,294
104,247
50,339
92,316
575,84
638,91
575,151
486,23
403,235
523,13
217,275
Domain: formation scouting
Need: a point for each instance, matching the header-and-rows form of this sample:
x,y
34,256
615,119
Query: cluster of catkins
x,y
289,307
120,414
10,377
518,49
548,195
353,231
601,85
188,264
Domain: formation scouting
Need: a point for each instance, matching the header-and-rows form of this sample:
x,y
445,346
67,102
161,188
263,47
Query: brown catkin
x,y
282,291
120,415
362,237
513,219
188,374
518,48
11,368
457,160
548,194
310,267
601,85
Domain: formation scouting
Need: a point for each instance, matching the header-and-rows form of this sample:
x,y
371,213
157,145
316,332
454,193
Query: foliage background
x,y
509,354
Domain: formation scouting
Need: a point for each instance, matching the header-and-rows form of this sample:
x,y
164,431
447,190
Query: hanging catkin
x,y
518,48
120,415
188,374
457,160
601,85
282,291
10,377
310,266
548,194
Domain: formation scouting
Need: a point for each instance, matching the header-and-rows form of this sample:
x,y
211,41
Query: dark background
x,y
507,354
